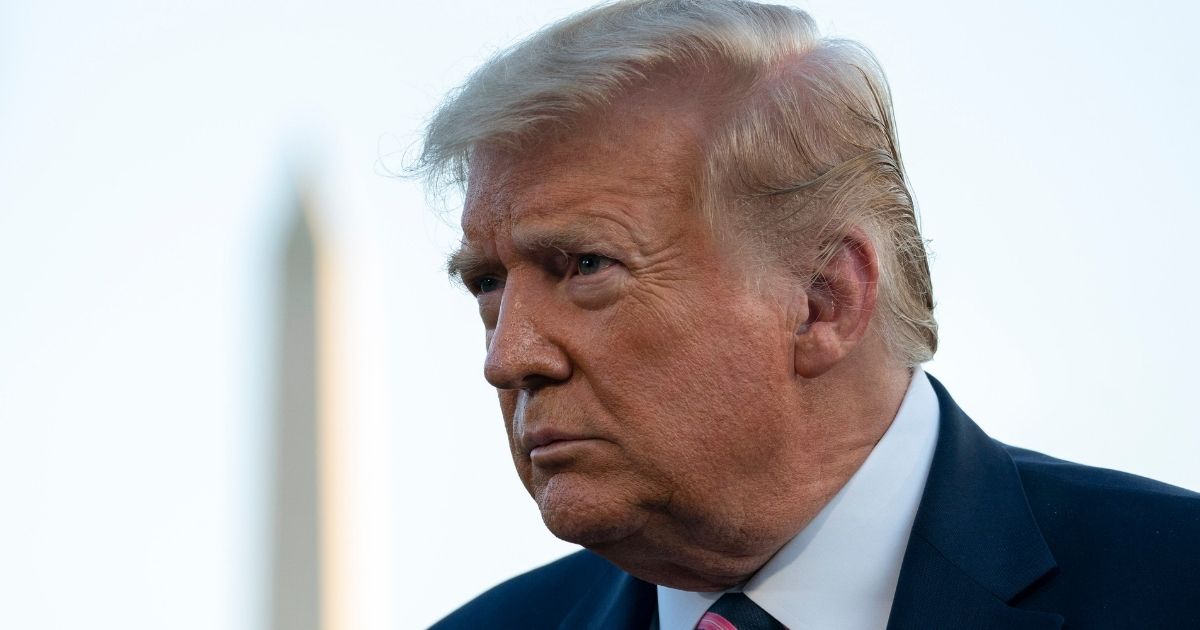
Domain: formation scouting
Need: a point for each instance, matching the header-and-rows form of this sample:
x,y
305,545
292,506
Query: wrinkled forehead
x,y
491,186
648,145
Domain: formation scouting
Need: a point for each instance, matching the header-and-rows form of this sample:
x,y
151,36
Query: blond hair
x,y
803,151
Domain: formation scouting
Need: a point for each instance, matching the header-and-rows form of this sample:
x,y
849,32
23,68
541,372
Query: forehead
x,y
640,154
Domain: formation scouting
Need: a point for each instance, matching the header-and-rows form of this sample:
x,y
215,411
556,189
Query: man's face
x,y
646,385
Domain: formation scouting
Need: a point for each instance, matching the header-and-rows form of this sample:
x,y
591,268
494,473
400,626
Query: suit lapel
x,y
618,600
975,545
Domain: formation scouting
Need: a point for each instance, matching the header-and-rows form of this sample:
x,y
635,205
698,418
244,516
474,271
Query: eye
x,y
588,264
486,284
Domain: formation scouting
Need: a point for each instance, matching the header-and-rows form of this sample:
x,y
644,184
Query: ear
x,y
841,302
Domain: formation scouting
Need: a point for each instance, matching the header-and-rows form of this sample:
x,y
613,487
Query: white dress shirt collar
x,y
841,570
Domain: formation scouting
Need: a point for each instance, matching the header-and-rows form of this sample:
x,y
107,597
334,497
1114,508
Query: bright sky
x,y
146,150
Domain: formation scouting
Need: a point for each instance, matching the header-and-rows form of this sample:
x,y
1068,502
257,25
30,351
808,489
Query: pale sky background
x,y
146,150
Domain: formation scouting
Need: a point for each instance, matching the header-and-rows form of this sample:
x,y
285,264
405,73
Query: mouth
x,y
544,446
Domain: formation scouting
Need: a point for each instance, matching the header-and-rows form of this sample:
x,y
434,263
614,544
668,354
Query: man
x,y
706,304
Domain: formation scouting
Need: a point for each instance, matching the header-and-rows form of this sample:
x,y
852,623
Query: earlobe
x,y
840,303
816,351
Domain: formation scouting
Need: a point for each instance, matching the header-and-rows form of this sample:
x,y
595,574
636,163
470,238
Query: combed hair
x,y
801,151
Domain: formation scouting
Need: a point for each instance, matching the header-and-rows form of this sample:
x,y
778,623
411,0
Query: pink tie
x,y
713,621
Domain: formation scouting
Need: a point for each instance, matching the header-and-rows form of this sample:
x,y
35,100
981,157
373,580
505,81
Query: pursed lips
x,y
544,430
536,438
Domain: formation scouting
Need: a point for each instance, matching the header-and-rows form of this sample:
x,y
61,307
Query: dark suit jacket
x,y
1004,538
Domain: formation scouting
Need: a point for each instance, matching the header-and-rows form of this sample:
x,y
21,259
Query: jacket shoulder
x,y
1124,544
1062,490
540,598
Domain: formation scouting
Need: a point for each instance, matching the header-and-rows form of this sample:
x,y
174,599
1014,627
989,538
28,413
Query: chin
x,y
587,512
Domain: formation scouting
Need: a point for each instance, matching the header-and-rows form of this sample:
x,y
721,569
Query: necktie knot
x,y
735,611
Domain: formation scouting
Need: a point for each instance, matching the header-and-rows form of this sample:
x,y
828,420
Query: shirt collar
x,y
841,570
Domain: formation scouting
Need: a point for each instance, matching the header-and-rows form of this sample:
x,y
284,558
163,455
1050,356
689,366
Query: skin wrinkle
x,y
708,447
828,95
469,260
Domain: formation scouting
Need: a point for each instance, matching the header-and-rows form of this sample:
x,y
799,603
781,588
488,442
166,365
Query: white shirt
x,y
841,570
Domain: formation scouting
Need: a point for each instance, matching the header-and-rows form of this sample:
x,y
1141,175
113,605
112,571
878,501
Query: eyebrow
x,y
469,260
576,237
466,261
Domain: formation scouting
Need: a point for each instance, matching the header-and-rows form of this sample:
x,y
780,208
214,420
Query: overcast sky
x,y
147,154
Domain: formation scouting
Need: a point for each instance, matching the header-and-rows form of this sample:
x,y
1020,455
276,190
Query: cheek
x,y
693,385
718,343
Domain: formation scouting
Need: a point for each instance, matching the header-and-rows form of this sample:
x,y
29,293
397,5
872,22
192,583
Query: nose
x,y
520,353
